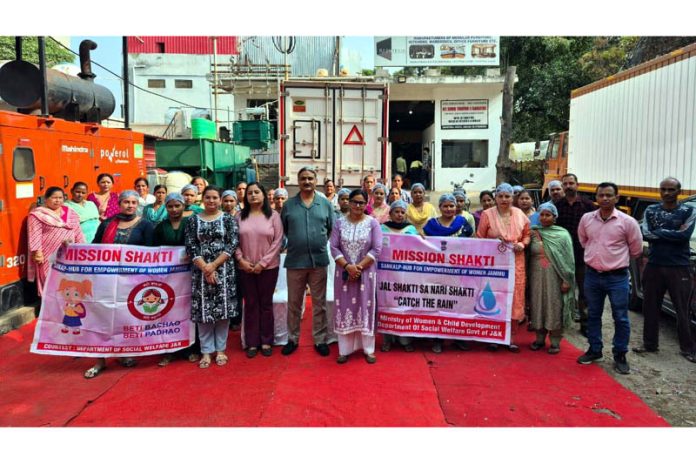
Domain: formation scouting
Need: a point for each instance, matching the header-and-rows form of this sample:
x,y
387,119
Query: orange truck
x,y
37,152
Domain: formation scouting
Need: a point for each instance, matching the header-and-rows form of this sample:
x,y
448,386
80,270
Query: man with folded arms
x,y
668,226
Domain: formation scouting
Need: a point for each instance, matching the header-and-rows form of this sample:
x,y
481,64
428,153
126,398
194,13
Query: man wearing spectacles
x,y
307,220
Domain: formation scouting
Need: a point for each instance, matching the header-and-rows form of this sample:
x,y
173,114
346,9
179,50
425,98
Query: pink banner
x,y
443,287
116,300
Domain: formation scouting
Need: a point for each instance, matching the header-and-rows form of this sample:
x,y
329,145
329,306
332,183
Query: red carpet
x,y
475,388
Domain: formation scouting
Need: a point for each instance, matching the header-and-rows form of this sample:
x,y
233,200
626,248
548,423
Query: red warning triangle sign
x,y
354,134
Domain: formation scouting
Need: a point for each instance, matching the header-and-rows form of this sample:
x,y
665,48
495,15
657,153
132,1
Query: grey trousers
x,y
298,279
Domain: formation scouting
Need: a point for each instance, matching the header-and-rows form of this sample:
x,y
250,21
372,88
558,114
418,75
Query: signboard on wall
x,y
464,114
437,51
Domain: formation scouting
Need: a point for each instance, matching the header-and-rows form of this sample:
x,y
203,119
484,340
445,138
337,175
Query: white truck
x,y
340,128
636,128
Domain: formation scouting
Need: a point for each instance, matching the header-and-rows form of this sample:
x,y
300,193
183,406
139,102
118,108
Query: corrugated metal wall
x,y
638,131
194,45
310,54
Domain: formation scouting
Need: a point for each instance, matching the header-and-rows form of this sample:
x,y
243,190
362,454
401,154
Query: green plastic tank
x,y
203,129
254,134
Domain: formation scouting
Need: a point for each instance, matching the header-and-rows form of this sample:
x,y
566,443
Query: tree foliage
x,y
30,51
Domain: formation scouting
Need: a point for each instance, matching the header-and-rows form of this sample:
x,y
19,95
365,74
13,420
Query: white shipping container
x,y
339,128
637,128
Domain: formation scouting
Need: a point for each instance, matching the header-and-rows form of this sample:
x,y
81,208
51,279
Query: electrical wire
x,y
184,105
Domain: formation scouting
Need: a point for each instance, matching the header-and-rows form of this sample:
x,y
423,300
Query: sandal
x,y
554,349
252,352
370,358
127,362
194,357
267,351
164,362
221,359
92,372
342,359
204,363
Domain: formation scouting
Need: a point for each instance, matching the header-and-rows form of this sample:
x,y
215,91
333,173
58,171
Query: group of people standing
x,y
234,239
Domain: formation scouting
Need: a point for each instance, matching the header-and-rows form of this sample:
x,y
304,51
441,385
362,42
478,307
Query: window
x,y
464,153
23,164
551,152
565,147
183,83
156,83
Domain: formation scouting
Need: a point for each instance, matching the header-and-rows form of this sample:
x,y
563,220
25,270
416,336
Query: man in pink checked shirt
x,y
610,239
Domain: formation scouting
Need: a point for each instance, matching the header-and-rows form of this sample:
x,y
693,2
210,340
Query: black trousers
x,y
678,281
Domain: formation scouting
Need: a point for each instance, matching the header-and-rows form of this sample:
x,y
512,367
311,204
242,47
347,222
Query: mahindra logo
x,y
73,149
114,153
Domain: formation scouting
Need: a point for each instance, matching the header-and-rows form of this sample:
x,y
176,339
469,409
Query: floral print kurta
x,y
355,301
207,239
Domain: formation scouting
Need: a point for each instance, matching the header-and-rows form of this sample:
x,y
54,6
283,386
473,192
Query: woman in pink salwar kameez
x,y
511,226
49,227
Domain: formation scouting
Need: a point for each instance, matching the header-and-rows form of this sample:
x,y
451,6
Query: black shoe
x,y
589,357
644,349
289,348
322,349
462,345
620,364
691,357
252,352
492,347
536,346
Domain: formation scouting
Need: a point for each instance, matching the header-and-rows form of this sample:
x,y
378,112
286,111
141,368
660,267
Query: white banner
x,y
437,51
116,301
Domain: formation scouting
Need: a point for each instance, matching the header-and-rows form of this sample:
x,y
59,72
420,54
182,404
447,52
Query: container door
x,y
360,146
309,132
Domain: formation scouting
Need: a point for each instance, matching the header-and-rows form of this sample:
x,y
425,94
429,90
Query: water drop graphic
x,y
488,298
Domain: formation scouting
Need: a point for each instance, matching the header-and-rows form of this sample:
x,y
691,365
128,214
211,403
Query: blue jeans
x,y
597,288
213,335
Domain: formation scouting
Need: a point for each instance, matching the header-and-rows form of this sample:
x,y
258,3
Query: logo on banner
x,y
151,300
486,302
354,137
443,246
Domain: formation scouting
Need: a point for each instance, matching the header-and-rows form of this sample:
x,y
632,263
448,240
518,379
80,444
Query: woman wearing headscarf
x,y
419,211
552,279
397,224
230,203
170,232
509,225
190,194
49,227
449,224
126,228
343,201
280,196
460,196
380,208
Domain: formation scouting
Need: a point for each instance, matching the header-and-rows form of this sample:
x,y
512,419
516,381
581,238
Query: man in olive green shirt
x,y
307,221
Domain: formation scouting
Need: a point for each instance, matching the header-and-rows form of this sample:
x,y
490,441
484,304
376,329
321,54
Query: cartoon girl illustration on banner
x,y
150,301
74,311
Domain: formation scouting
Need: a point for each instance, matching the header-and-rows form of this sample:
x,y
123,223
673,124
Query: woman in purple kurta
x,y
356,242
